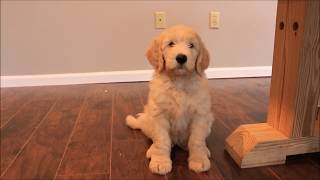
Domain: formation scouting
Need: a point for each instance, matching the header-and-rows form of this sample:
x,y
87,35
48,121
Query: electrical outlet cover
x,y
160,20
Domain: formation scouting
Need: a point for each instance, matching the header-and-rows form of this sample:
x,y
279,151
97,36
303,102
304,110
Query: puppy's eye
x,y
171,44
190,45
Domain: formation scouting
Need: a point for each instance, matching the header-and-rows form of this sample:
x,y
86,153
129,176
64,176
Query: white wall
x,y
43,37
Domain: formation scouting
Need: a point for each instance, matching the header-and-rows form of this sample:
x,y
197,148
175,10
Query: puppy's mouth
x,y
180,70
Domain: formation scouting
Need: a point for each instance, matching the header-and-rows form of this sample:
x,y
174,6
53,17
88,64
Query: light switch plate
x,y
214,19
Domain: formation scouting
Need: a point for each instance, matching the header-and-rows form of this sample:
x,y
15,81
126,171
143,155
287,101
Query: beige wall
x,y
88,36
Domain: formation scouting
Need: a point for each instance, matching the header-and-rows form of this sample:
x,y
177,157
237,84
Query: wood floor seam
x,y
111,133
80,174
274,173
314,163
69,139
30,137
5,97
20,108
3,125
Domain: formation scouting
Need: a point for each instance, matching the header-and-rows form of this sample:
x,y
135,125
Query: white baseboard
x,y
239,72
122,76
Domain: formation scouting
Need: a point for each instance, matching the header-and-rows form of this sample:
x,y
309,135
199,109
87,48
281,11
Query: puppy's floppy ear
x,y
202,61
154,55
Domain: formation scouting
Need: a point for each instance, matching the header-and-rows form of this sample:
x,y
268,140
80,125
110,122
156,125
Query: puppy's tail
x,y
135,123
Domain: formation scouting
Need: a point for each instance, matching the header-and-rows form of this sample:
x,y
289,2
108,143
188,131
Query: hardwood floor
x,y
78,132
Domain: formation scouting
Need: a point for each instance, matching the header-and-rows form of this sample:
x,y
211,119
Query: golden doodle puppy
x,y
178,111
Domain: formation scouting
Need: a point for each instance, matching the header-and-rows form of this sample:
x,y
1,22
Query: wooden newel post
x,y
292,126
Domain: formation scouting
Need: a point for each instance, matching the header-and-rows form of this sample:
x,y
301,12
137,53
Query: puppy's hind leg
x,y
135,123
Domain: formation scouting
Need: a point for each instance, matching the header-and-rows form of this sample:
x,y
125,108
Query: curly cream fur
x,y
178,111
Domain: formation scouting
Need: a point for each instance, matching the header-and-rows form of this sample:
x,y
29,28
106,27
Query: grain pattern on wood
x,y
143,91
295,79
228,97
244,140
127,101
83,177
180,169
15,134
308,83
42,155
89,147
293,165
260,144
129,160
314,158
7,93
316,130
294,41
229,169
13,100
278,66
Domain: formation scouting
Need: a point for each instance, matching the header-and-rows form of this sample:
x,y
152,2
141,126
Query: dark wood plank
x,y
129,146
127,101
143,91
12,93
42,155
6,92
16,132
314,158
236,97
13,99
180,169
83,177
129,160
316,130
297,167
89,148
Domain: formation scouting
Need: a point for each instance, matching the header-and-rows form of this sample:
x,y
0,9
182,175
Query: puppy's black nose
x,y
181,58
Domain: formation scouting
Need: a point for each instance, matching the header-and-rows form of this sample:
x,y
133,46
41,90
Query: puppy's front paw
x,y
199,163
160,165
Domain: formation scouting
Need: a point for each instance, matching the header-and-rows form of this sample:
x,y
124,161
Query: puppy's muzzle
x,y
181,59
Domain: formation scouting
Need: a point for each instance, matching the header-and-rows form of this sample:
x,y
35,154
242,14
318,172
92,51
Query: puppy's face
x,y
178,51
